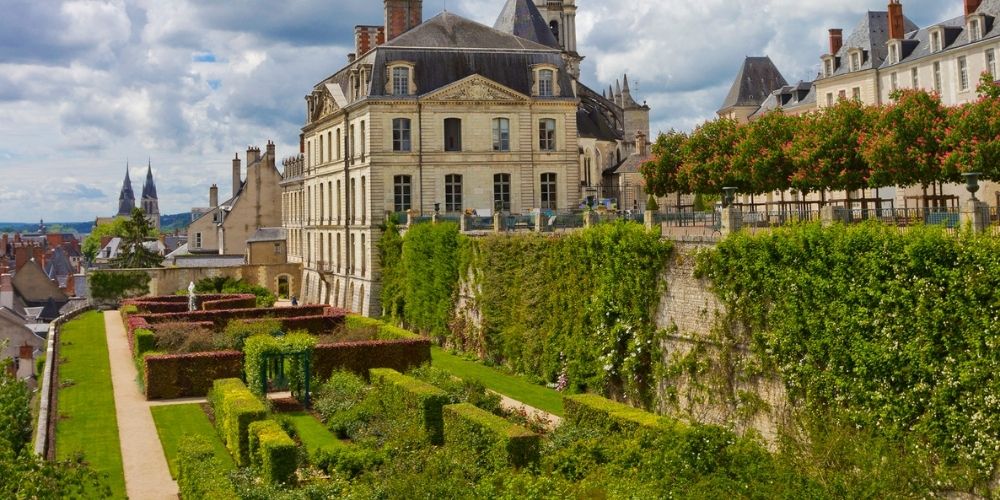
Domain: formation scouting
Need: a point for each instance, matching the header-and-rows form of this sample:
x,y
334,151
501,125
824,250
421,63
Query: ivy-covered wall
x,y
577,306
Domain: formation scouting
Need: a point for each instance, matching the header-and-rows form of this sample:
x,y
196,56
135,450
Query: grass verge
x,y
86,404
313,434
176,421
512,386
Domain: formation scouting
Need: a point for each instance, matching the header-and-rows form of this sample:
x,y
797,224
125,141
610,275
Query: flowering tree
x,y
708,156
972,143
825,148
905,144
759,156
660,173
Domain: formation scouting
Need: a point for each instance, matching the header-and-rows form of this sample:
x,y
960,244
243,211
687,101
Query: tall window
x,y
501,191
991,62
402,193
915,76
400,81
829,67
545,81
351,195
401,134
856,61
321,149
197,240
501,134
547,134
329,146
338,202
364,201
856,93
963,73
893,54
452,134
937,76
549,191
364,139
975,30
453,193
339,155
829,99
936,41
893,81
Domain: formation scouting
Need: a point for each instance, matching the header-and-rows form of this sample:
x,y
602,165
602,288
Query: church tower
x,y
150,203
126,199
636,117
561,18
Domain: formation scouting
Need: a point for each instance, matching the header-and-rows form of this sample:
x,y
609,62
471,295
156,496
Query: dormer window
x,y
856,60
828,66
400,78
546,82
936,41
893,53
975,29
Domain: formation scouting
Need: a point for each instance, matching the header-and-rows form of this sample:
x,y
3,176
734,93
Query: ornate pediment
x,y
326,101
476,88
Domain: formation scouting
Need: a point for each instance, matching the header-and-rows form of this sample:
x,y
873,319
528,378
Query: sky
x,y
88,85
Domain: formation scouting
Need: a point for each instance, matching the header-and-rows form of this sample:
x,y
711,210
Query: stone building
x,y
224,228
446,116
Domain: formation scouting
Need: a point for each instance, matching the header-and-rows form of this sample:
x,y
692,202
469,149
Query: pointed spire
x,y
627,101
522,18
126,199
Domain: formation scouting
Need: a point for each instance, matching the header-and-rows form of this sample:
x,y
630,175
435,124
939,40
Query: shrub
x,y
228,285
188,375
183,338
246,301
15,412
459,390
339,402
199,473
129,309
145,341
237,331
360,357
272,451
235,409
590,410
495,440
411,396
348,459
378,329
114,286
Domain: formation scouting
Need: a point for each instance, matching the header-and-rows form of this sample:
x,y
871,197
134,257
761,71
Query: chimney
x,y
402,16
367,38
351,58
6,292
302,144
270,149
213,196
640,144
26,352
897,27
836,40
237,178
971,6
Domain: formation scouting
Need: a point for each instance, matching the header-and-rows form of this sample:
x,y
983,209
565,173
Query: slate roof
x,y
591,119
126,199
631,164
450,31
34,286
58,264
268,234
755,81
788,98
870,36
149,188
916,44
522,18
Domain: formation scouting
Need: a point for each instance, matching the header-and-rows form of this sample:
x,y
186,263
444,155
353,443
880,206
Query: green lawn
x,y
175,421
313,434
512,386
86,400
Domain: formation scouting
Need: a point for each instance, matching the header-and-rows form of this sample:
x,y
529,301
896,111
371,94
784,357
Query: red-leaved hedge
x,y
316,325
222,317
359,357
235,302
189,375
179,303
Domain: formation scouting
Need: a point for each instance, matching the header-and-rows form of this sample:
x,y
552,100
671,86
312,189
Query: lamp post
x,y
972,183
730,195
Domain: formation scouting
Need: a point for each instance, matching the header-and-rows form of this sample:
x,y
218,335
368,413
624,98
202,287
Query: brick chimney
x,y
237,175
971,6
367,38
213,196
897,26
836,40
26,352
402,16
641,146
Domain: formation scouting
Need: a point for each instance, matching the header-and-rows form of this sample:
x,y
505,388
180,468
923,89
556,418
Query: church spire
x,y
126,199
627,101
150,203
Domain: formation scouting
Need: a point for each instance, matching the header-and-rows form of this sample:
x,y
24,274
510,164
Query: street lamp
x,y
972,183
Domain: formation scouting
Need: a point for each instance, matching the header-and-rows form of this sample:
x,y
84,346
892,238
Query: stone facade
x,y
167,281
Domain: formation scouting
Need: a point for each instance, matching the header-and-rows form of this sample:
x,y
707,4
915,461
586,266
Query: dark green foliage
x,y
430,260
410,396
497,442
592,411
199,473
390,250
114,286
347,459
227,285
459,390
272,452
132,253
238,331
235,409
15,413
879,330
259,349
339,401
380,330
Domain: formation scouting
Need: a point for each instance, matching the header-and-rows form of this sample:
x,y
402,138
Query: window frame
x,y
963,73
450,135
991,62
402,193
915,78
400,80
549,191
893,81
453,199
547,136
402,126
546,86
501,190
938,83
500,142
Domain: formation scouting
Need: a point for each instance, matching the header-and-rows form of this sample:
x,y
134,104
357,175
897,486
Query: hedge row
x,y
200,474
272,452
317,324
171,376
360,357
179,303
235,409
495,439
242,301
144,340
410,396
222,317
379,329
593,411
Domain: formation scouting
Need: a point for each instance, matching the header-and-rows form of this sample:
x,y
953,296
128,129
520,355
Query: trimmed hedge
x,y
593,411
360,357
144,341
200,474
235,409
316,324
242,301
222,317
272,451
380,329
409,395
498,441
170,376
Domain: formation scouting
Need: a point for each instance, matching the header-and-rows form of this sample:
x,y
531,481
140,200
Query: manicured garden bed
x,y
87,422
173,422
512,386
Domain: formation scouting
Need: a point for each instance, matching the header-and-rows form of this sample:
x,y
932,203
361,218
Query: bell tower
x,y
561,18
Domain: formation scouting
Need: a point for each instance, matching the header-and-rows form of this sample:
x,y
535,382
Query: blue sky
x,y
87,84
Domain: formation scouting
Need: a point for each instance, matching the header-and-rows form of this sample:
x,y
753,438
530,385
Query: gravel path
x,y
146,472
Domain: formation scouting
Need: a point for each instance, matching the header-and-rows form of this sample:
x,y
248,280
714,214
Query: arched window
x,y
364,252
452,134
364,202
501,134
401,134
548,191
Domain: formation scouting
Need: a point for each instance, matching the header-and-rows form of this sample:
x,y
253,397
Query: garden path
x,y
552,421
146,473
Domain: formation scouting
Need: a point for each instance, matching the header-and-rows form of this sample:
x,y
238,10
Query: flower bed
x,y
189,375
359,357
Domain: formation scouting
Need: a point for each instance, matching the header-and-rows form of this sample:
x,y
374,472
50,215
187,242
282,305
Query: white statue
x,y
192,302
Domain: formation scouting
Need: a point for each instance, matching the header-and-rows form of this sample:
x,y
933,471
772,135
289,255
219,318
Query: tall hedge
x,y
894,332
430,260
235,409
272,452
497,442
199,473
414,398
